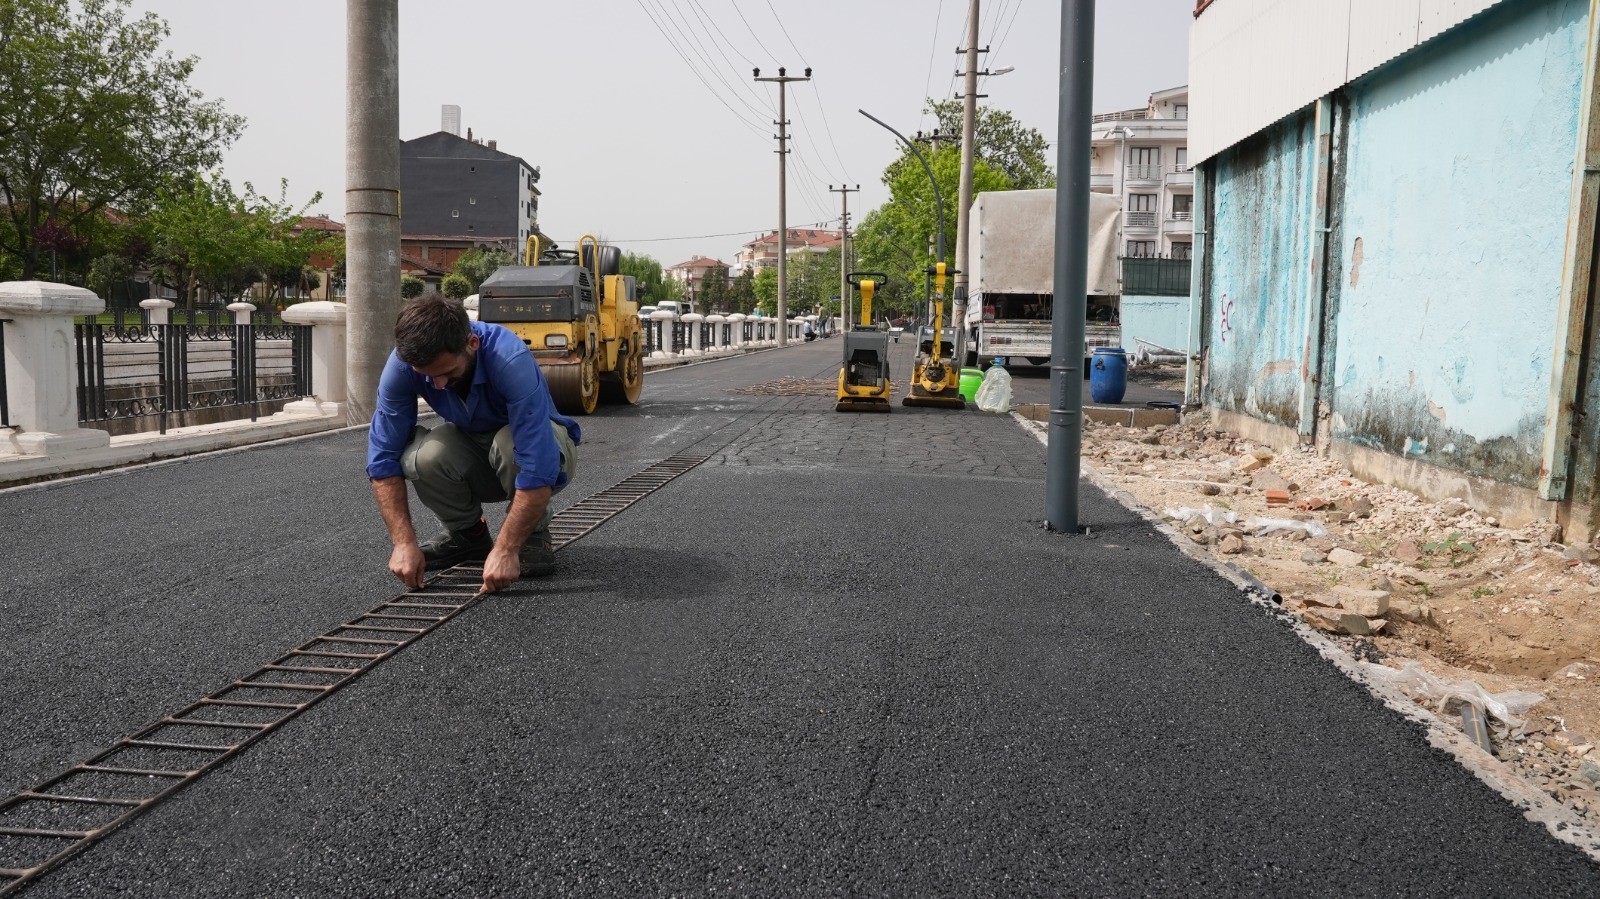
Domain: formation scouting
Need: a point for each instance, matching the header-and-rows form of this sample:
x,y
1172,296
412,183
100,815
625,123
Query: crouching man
x,y
502,440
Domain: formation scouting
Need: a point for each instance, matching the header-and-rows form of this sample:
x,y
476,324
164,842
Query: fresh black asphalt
x,y
839,658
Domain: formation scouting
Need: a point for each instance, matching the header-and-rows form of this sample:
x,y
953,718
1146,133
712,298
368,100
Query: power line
x,y
668,39
752,31
786,34
755,231
688,36
713,22
742,83
927,83
829,128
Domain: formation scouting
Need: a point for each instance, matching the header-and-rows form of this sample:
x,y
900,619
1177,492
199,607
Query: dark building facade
x,y
458,187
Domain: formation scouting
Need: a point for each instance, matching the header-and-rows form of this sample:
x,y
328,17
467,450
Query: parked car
x,y
644,311
677,308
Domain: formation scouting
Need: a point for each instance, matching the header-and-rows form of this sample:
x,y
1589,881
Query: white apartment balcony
x,y
1144,173
1139,221
1101,183
1179,223
1180,175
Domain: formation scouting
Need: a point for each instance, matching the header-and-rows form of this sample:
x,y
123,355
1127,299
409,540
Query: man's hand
x,y
501,569
407,564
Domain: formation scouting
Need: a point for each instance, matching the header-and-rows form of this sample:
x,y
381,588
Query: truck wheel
x,y
1039,360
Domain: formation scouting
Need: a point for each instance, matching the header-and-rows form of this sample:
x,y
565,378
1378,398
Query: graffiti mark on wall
x,y
1227,317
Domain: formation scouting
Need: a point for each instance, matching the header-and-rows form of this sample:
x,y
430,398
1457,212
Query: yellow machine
x,y
864,380
579,315
936,381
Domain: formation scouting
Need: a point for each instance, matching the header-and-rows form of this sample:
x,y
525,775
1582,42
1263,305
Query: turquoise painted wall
x,y
1262,209
1162,320
1452,227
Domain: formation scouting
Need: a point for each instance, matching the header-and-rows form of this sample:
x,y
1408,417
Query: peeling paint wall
x,y
1260,239
1458,176
1450,193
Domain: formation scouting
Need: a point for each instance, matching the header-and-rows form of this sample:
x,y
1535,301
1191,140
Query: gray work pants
x,y
455,472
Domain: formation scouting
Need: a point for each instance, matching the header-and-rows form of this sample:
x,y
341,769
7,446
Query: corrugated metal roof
x,y
1253,62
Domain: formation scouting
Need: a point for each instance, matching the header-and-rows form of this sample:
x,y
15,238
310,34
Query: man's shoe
x,y
538,557
455,547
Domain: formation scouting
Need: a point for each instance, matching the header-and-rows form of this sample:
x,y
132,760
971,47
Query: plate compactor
x,y
864,379
936,380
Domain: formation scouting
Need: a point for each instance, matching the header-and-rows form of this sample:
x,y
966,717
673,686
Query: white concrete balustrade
x,y
41,364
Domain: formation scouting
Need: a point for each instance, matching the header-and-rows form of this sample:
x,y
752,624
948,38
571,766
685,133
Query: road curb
x,y
1535,804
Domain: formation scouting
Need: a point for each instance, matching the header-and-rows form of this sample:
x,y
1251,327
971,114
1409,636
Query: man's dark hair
x,y
429,326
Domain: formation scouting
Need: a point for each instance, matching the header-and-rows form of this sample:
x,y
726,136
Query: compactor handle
x,y
531,253
855,278
867,283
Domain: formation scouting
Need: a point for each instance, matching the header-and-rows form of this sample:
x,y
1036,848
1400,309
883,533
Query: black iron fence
x,y
680,336
172,375
5,401
1154,277
652,335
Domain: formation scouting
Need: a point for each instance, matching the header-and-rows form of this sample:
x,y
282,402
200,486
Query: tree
x,y
1017,151
412,286
92,115
714,293
647,276
896,237
765,285
206,236
455,286
476,265
742,295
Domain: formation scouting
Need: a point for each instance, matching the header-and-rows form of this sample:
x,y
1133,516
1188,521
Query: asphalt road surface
x,y
841,657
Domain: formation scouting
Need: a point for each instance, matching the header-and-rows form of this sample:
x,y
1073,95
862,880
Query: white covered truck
x,y
1011,281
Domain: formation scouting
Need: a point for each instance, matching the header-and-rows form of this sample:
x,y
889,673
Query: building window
x,y
1141,202
1141,249
1182,163
1183,206
1144,163
1180,111
1182,250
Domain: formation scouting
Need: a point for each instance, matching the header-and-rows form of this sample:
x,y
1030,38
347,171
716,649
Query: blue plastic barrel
x,y
1108,374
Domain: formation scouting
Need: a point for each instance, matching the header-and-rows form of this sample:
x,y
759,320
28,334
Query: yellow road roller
x,y
579,315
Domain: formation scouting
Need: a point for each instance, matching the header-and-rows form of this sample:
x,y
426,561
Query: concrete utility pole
x,y
371,196
1063,461
845,304
783,186
969,114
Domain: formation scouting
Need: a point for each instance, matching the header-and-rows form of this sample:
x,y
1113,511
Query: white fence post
x,y
327,321
693,320
665,318
716,322
42,367
160,311
736,329
242,312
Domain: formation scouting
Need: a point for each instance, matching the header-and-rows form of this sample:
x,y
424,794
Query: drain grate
x,y
42,827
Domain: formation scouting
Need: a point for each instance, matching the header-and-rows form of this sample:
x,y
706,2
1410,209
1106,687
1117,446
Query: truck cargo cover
x,y
1014,250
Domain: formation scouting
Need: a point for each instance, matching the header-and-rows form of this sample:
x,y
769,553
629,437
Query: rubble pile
x,y
1382,569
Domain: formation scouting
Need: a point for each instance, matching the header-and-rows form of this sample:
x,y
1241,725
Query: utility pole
x,y
969,114
845,304
782,80
371,196
1076,92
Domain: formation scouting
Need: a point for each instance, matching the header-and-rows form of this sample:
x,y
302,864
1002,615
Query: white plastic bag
x,y
994,394
1418,684
1266,526
1212,516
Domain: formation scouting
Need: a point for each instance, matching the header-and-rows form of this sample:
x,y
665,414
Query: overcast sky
x,y
642,114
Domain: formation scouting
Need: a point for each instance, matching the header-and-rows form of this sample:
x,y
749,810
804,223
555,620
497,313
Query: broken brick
x,y
1277,497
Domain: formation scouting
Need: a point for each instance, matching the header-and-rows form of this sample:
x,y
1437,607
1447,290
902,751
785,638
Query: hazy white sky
x,y
655,142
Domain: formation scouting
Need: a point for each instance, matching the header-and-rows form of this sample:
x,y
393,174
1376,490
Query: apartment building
x,y
763,251
467,191
692,275
1142,157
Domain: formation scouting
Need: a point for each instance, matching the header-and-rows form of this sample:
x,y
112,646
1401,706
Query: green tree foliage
x,y
1017,151
813,281
715,296
895,238
412,286
742,295
647,276
92,115
455,286
765,286
203,235
477,264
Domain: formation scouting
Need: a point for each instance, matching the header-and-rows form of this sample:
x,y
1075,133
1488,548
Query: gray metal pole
x,y
372,196
969,115
1072,266
846,307
782,81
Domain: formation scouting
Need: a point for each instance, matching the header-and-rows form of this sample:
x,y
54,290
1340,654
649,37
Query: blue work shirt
x,y
507,388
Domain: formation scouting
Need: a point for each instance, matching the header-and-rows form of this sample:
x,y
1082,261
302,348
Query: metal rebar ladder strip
x,y
44,826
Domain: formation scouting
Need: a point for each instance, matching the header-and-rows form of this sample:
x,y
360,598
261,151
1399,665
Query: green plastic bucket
x,y
971,378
